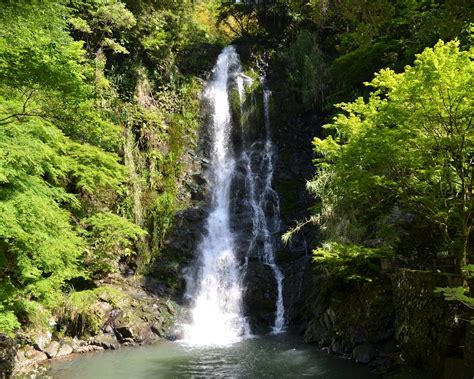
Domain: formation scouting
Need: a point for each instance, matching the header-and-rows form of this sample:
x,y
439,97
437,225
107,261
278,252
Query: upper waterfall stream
x,y
217,310
216,289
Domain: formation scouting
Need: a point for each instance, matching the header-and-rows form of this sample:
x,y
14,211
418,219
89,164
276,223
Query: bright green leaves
x,y
113,15
93,169
110,238
43,73
67,88
38,245
8,322
457,294
39,248
36,53
100,22
350,261
47,113
410,145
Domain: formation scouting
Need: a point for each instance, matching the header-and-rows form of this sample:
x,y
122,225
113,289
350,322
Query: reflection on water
x,y
278,356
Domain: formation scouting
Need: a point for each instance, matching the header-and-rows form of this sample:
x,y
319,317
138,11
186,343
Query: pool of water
x,y
280,356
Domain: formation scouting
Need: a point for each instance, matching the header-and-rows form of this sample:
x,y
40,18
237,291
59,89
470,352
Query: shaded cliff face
x,y
395,321
292,134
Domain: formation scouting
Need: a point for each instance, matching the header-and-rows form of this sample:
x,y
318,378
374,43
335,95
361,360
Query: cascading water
x,y
258,161
269,194
217,316
216,289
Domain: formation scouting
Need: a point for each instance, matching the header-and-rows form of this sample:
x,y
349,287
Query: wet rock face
x,y
426,329
106,340
7,356
292,135
260,297
398,319
165,275
355,321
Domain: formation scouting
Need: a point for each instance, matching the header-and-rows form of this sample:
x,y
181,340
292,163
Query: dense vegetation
x,y
394,175
98,100
98,103
405,153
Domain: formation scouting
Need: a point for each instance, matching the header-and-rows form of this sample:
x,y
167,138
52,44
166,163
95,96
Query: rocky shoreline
x,y
395,323
139,318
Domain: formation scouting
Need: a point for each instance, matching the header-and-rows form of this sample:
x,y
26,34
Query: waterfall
x,y
264,201
217,316
216,288
274,237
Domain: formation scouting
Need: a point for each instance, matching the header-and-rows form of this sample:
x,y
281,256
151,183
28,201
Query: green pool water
x,y
280,356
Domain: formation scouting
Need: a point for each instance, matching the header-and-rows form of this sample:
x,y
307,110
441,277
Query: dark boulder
x,y
259,296
7,355
364,353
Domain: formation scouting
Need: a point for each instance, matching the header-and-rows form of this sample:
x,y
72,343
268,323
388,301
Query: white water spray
x,y
217,291
272,194
217,317
261,197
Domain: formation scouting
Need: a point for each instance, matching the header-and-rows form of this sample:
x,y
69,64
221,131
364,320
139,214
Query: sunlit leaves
x,y
457,294
110,238
409,145
51,132
350,261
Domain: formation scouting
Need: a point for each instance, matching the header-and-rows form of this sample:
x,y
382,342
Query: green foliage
x,y
349,261
110,238
38,245
348,71
37,52
51,140
67,83
83,313
457,294
98,22
83,168
410,146
359,37
8,322
461,295
306,70
162,211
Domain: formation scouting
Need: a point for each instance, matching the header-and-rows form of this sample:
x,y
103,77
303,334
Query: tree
x,y
51,157
411,145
